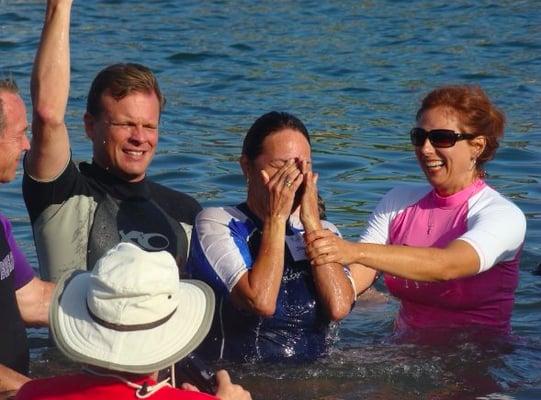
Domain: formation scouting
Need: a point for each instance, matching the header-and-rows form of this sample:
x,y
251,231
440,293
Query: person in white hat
x,y
127,319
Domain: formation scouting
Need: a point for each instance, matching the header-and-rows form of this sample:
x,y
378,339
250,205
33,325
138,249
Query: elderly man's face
x,y
13,140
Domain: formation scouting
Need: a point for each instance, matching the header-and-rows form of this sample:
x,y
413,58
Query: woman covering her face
x,y
449,250
271,303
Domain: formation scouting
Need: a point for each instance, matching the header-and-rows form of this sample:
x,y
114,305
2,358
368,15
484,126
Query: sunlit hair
x,y
475,112
266,125
122,80
6,85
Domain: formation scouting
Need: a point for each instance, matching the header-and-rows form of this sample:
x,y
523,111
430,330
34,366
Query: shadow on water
x,y
432,365
460,369
368,362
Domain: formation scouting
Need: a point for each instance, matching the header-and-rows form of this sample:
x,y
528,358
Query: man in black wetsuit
x,y
24,299
78,213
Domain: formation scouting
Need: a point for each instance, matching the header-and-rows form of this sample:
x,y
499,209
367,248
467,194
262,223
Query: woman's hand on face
x,y
281,189
309,212
324,247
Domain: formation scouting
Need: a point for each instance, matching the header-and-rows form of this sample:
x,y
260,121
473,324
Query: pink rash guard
x,y
491,224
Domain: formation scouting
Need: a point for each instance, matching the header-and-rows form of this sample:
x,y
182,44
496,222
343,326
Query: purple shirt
x,y
15,260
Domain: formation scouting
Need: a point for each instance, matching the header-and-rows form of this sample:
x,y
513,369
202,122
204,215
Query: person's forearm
x,y
51,72
363,278
334,290
265,277
50,90
333,287
11,380
459,259
34,301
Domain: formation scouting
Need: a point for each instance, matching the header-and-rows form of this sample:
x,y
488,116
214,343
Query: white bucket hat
x,y
131,313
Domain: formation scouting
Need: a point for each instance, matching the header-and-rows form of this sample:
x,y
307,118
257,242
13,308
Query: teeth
x,y
434,164
134,153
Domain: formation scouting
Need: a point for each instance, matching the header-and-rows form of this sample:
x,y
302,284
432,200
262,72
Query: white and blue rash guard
x,y
224,246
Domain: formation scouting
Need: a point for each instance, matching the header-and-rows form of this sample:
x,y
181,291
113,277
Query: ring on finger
x,y
288,183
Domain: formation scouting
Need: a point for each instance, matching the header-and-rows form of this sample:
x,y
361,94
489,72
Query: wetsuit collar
x,y
257,222
255,219
115,186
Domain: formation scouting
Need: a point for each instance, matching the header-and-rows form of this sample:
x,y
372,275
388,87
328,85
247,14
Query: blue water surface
x,y
354,71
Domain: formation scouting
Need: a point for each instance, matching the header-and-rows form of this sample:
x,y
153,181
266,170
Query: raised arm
x,y
257,290
332,284
49,151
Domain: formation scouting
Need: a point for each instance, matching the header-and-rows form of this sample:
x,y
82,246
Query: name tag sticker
x,y
295,244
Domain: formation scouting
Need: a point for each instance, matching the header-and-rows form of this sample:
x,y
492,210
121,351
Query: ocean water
x,y
354,72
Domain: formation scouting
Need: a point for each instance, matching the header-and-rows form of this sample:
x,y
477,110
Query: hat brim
x,y
143,351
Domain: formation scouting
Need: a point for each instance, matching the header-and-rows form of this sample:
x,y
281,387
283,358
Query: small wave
x,y
183,57
241,47
13,17
6,44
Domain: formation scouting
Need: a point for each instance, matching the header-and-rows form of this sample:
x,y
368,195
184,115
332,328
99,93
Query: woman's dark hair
x,y
266,125
474,111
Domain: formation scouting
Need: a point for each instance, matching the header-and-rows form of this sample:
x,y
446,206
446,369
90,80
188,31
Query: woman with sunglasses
x,y
448,250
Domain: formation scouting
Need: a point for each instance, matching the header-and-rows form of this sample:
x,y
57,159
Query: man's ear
x,y
89,121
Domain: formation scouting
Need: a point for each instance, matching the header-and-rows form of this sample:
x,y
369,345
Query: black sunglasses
x,y
437,137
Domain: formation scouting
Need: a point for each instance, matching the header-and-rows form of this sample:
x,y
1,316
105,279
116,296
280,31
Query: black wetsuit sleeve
x,y
40,195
